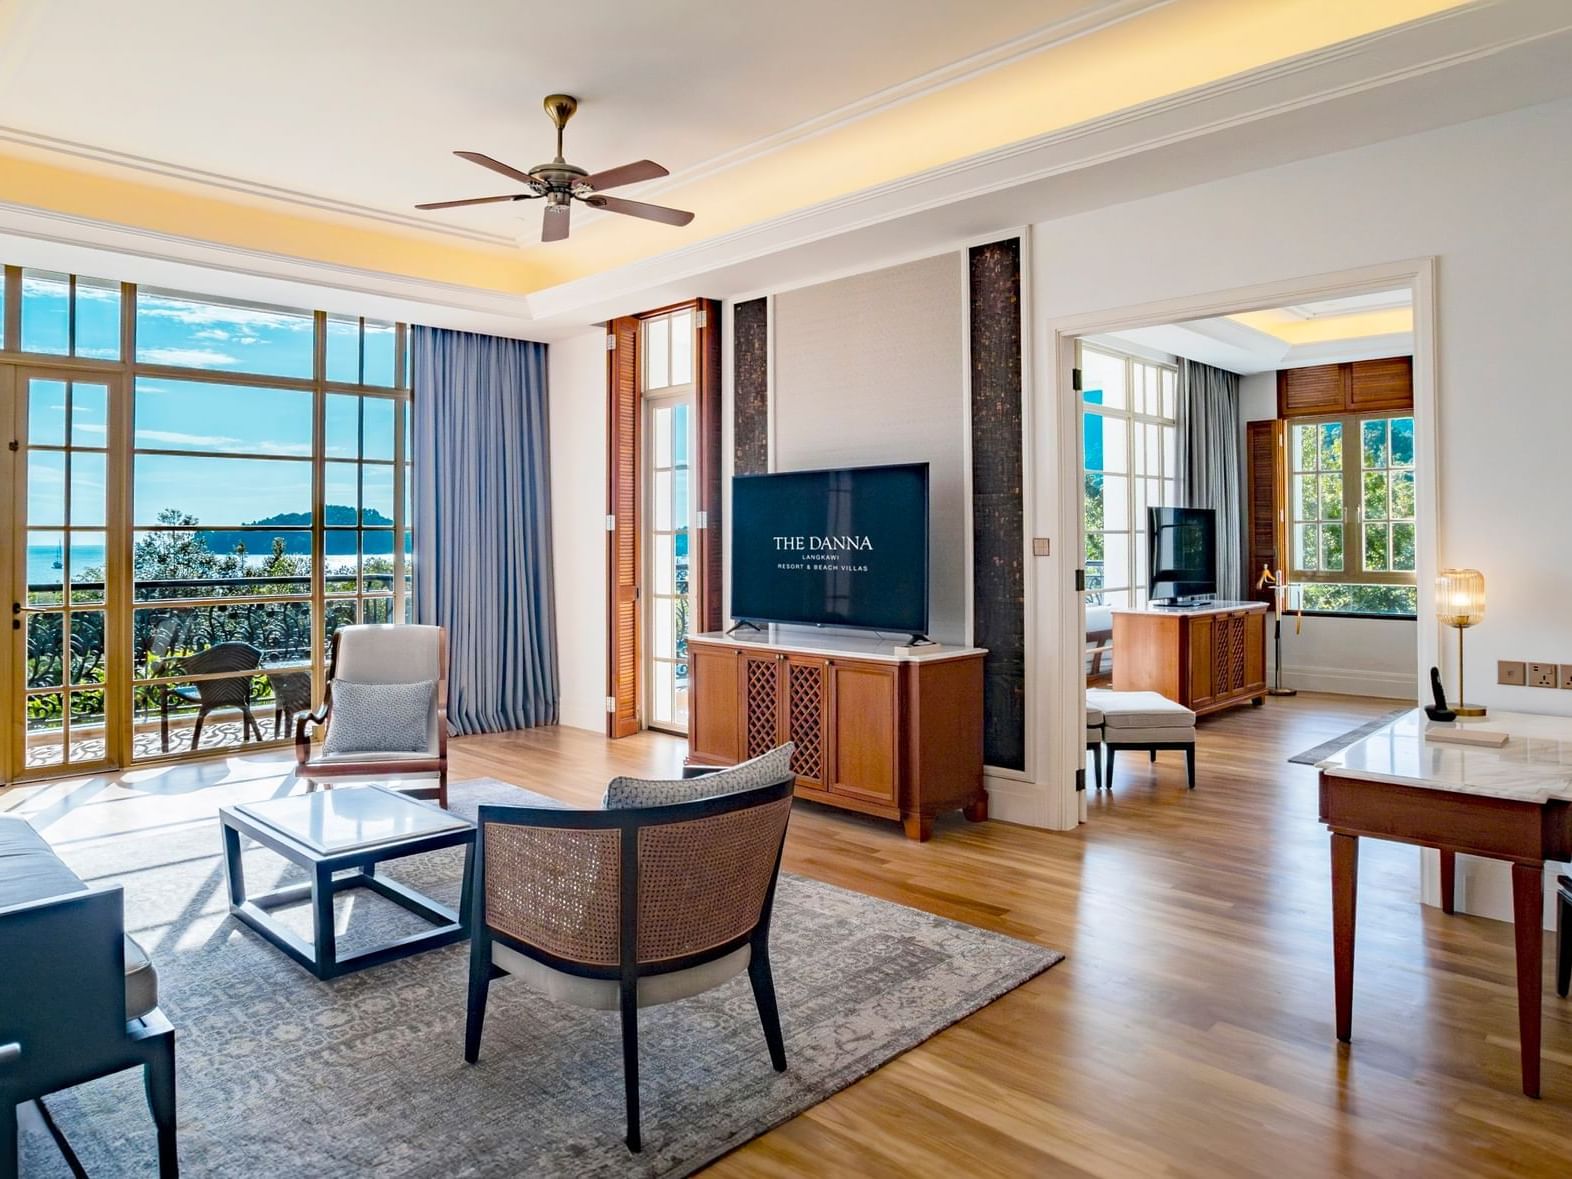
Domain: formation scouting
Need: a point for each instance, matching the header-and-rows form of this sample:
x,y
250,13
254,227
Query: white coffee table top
x,y
332,821
1535,765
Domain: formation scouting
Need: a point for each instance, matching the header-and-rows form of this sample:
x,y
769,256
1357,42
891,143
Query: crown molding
x,y
445,304
1469,33
142,165
1100,15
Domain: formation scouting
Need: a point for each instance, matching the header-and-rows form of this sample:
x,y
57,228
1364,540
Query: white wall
x,y
1354,656
870,369
576,376
1488,200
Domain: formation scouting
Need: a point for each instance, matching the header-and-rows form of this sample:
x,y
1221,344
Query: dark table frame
x,y
321,957
1525,834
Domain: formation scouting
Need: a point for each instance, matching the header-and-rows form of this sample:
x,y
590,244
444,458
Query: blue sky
x,y
211,420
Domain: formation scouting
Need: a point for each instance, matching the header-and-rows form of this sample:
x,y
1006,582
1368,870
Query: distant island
x,y
295,530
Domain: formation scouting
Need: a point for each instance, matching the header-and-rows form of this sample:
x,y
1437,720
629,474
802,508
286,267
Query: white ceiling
x,y
1226,343
362,104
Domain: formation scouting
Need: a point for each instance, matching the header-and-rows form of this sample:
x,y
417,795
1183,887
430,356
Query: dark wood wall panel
x,y
998,520
750,388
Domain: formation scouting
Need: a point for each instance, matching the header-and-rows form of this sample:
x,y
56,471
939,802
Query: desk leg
x,y
1528,917
1345,881
1448,881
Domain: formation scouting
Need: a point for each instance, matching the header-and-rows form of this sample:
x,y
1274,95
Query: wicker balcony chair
x,y
383,654
208,695
620,909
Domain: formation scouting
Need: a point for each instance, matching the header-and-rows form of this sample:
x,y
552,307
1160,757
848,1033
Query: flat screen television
x,y
846,548
1181,553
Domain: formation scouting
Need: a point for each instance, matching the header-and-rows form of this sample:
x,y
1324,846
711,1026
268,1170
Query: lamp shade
x,y
1460,597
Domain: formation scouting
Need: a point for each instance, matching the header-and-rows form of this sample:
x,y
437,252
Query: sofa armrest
x,y
62,992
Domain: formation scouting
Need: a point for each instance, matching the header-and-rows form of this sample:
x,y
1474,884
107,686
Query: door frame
x,y
14,381
1061,663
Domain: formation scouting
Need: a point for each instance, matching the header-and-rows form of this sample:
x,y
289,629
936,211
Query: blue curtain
x,y
482,509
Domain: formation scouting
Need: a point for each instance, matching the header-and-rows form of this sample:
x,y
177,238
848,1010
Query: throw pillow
x,y
380,718
759,771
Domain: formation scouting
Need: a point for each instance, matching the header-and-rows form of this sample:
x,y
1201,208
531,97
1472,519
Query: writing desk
x,y
1513,803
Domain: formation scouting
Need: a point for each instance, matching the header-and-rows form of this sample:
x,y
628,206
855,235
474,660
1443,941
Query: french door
x,y
65,695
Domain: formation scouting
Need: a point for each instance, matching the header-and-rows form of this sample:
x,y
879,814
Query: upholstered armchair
x,y
383,655
620,909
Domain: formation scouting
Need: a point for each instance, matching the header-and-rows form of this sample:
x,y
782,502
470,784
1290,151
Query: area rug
x,y
283,1075
1326,749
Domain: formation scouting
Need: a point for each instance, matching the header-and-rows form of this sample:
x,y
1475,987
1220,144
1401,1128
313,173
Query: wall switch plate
x,y
1511,671
1543,675
1040,546
1566,675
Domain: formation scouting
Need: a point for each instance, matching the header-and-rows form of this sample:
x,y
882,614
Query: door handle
x,y
10,1053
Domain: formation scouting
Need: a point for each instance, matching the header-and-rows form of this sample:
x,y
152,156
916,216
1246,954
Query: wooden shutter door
x,y
1262,441
623,570
708,540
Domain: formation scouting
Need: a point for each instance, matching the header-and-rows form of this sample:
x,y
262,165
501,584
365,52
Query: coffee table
x,y
351,829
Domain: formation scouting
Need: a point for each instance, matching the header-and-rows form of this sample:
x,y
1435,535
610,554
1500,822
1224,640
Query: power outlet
x,y
1543,675
1511,671
1566,675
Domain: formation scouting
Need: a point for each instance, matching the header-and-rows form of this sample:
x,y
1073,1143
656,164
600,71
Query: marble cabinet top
x,y
1535,765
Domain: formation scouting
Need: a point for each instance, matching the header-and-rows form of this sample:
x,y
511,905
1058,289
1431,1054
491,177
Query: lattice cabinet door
x,y
807,691
761,687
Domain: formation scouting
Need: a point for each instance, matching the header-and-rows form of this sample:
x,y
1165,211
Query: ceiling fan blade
x,y
640,209
471,201
486,161
554,225
627,174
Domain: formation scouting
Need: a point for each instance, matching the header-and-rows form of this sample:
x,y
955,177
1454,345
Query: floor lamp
x,y
1275,583
1460,602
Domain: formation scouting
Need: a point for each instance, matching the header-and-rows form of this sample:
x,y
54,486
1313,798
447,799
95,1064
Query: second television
x,y
1181,554
845,547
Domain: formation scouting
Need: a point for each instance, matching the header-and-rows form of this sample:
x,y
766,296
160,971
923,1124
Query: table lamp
x,y
1460,602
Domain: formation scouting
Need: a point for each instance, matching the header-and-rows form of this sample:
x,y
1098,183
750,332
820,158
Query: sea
x,y
41,560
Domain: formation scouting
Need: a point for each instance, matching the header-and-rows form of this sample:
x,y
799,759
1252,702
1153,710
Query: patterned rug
x,y
282,1075
1326,749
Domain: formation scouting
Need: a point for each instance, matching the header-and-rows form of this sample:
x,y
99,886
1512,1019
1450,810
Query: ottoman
x,y
1143,720
1094,741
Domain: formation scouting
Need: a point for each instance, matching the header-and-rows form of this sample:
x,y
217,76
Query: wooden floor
x,y
1190,1031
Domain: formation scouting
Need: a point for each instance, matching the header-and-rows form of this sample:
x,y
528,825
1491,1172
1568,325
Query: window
x,y
269,504
1351,513
63,315
667,393
1128,449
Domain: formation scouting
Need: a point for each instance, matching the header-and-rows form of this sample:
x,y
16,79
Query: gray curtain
x,y
1210,446
482,510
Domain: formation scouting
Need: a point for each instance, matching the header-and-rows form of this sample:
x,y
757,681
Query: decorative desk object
x,y
1460,602
1513,803
1438,711
1274,582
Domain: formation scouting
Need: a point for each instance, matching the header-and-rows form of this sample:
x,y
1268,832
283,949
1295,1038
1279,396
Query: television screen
x,y
832,548
1181,552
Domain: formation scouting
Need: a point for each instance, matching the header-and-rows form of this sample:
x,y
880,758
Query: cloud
x,y
155,306
189,357
175,438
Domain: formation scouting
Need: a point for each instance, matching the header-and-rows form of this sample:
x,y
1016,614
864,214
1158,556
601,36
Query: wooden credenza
x,y
894,736
1206,659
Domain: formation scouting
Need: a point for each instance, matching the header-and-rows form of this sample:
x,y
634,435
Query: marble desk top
x,y
1534,766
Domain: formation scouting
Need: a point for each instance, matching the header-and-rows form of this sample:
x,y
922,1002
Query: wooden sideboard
x,y
1206,658
900,737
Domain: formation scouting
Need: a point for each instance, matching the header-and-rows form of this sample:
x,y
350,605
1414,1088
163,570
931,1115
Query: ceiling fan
x,y
562,183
